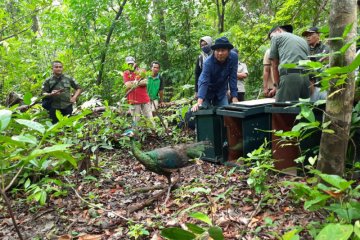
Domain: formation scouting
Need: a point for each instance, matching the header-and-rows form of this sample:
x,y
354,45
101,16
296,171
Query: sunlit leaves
x,y
32,125
335,231
5,116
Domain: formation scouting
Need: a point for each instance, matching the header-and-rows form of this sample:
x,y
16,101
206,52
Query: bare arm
x,y
274,66
76,95
142,82
241,75
266,75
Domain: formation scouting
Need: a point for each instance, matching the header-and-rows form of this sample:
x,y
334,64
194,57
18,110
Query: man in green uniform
x,y
58,87
155,86
312,36
291,84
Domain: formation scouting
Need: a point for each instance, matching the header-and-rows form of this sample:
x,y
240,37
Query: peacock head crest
x,y
129,133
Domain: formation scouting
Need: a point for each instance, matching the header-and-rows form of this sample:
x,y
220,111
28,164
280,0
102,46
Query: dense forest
x,y
79,179
92,38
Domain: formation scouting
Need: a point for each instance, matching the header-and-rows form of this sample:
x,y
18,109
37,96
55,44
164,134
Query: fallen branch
x,y
13,179
43,213
147,202
256,211
138,206
7,202
146,189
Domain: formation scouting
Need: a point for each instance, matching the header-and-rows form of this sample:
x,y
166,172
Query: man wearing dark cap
x,y
312,36
219,72
291,83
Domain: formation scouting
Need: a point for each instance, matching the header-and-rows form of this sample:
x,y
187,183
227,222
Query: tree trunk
x,y
220,9
107,42
339,104
159,8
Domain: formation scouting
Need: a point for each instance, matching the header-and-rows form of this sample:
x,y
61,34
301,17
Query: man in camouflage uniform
x,y
58,87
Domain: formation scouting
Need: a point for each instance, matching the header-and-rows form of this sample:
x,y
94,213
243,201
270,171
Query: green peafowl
x,y
164,161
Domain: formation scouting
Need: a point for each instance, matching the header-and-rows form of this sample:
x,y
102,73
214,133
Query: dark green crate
x,y
254,126
286,111
209,127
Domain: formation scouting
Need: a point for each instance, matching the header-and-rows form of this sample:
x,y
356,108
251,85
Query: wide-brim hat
x,y
222,42
130,60
288,28
310,30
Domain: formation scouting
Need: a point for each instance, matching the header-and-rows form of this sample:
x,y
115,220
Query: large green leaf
x,y
348,211
194,228
308,113
65,156
32,125
335,231
9,140
202,217
355,63
177,234
5,116
336,181
27,98
316,203
216,233
55,148
25,138
357,228
291,235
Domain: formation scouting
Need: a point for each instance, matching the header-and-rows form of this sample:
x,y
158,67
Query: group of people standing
x,y
219,73
144,93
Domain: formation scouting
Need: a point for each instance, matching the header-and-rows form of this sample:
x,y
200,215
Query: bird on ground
x,y
164,161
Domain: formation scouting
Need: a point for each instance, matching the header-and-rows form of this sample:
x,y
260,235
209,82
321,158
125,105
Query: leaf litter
x,y
203,187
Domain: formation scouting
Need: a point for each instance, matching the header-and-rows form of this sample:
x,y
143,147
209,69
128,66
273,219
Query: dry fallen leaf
x,y
65,237
90,237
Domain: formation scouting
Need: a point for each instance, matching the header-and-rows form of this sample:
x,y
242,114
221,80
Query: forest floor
x,y
220,192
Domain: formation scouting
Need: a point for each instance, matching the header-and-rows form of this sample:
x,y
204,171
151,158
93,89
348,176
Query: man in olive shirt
x,y
58,87
312,36
286,47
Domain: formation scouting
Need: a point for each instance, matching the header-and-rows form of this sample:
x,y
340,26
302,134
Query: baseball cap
x,y
311,30
130,59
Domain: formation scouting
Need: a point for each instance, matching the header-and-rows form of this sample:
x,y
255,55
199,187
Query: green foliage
x,y
168,31
260,163
137,231
194,231
338,197
28,149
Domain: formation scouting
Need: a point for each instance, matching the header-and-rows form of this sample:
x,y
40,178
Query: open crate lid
x,y
245,108
256,102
